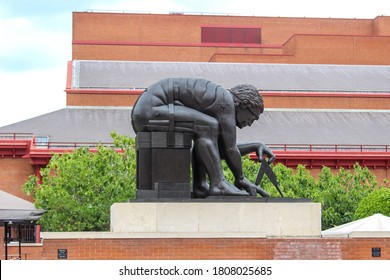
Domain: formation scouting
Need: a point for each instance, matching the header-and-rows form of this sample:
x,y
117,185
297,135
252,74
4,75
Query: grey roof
x,y
76,125
278,77
273,127
320,127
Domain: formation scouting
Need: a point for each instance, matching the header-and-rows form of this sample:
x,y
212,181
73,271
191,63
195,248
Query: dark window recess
x,y
27,233
376,252
238,35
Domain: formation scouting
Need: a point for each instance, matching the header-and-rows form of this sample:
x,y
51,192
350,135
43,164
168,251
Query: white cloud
x,y
33,63
144,6
30,93
27,45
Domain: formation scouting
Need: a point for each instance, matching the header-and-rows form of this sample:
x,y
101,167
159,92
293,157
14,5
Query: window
x,y
24,232
42,141
236,35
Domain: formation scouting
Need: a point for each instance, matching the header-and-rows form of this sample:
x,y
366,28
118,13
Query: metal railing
x,y
16,136
275,147
330,147
70,145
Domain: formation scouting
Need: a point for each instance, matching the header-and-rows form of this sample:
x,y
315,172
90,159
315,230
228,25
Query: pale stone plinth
x,y
224,219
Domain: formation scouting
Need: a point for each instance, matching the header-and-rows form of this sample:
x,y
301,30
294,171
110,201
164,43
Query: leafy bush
x,y
376,202
78,188
341,193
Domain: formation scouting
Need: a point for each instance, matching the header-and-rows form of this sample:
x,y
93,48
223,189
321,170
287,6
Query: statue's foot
x,y
254,190
251,190
262,192
201,191
225,188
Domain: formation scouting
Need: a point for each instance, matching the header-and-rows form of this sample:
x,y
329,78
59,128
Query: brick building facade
x,y
180,37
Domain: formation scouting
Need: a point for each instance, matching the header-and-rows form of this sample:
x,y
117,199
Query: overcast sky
x,y
36,39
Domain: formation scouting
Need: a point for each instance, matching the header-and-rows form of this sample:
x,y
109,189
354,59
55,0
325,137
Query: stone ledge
x,y
242,219
16,244
146,235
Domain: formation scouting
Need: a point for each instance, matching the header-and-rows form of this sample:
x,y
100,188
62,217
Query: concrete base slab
x,y
256,219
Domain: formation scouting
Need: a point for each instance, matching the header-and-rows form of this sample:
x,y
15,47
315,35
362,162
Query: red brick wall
x,y
109,99
381,26
29,252
324,49
208,249
127,27
151,37
13,173
278,30
308,49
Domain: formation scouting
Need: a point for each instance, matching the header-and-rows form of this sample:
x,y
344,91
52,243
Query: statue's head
x,y
248,104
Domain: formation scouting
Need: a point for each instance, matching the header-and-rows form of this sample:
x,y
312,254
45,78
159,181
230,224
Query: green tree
x,y
341,193
377,201
79,187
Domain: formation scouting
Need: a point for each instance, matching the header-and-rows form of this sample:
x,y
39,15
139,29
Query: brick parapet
x,y
211,249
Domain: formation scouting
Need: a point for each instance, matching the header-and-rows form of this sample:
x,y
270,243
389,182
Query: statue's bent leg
x,y
206,132
199,177
207,154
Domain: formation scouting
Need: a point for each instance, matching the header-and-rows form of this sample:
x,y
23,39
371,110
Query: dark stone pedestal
x,y
163,165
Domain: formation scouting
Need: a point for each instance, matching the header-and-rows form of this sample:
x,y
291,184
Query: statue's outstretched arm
x,y
232,156
260,148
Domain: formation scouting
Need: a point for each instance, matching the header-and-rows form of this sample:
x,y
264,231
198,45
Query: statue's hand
x,y
252,189
264,150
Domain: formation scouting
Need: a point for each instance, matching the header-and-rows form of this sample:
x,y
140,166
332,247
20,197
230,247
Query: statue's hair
x,y
247,96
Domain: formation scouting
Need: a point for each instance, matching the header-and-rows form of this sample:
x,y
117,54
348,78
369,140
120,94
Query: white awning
x,y
15,209
374,226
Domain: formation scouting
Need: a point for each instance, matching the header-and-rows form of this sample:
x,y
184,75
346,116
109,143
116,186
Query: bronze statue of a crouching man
x,y
211,113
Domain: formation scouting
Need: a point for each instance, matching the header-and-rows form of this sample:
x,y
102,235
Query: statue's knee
x,y
202,142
